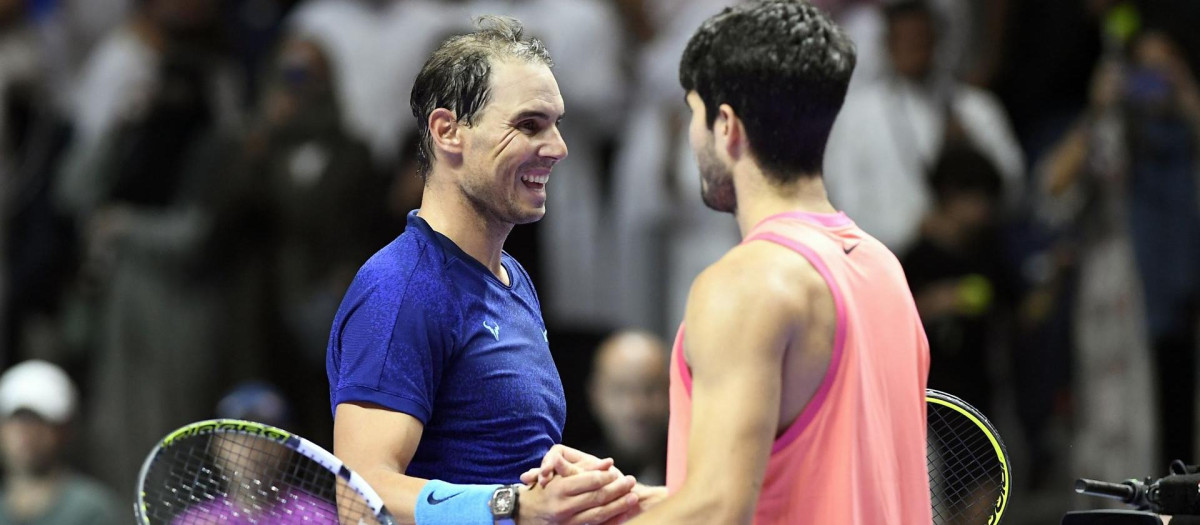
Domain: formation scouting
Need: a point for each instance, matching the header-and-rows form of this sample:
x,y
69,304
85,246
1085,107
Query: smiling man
x,y
441,380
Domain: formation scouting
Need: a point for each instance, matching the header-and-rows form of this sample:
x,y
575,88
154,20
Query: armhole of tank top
x,y
685,373
839,338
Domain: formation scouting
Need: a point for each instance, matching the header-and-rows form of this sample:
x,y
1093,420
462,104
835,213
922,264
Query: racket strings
x,y
241,478
966,475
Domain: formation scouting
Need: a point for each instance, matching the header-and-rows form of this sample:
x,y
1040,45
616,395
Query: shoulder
x,y
758,277
407,256
410,272
972,99
86,495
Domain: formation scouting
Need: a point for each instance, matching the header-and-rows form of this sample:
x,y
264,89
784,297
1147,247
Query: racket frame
x,y
975,416
291,441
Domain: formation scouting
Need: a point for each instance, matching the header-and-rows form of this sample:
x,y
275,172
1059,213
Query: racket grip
x,y
1124,492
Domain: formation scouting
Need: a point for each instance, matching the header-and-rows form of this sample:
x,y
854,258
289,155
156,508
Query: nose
x,y
554,147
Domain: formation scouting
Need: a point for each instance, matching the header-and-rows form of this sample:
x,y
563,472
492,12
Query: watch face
x,y
503,503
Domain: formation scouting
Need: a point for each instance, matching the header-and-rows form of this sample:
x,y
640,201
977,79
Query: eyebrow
x,y
533,113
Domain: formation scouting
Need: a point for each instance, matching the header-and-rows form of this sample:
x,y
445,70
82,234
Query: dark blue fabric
x,y
428,331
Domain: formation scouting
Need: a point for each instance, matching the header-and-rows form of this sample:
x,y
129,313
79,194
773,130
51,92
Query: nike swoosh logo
x,y
850,249
435,501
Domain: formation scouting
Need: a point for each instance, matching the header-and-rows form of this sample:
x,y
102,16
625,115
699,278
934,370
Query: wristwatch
x,y
504,505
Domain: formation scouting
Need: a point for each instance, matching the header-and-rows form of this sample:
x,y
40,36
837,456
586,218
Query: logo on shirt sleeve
x,y
494,328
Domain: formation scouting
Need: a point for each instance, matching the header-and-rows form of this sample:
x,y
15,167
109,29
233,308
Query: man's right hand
x,y
586,498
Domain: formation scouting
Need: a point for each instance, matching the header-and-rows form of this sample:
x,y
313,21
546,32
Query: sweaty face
x,y
514,143
716,179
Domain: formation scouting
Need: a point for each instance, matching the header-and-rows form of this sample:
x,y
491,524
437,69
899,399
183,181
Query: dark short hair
x,y
905,8
783,66
963,170
458,75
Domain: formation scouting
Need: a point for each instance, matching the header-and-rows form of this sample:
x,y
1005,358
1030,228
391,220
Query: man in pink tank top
x,y
798,375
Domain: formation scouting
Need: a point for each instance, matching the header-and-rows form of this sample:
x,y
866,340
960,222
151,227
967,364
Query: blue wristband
x,y
441,503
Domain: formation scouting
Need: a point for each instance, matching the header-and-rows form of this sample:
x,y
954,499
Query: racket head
x,y
227,468
969,470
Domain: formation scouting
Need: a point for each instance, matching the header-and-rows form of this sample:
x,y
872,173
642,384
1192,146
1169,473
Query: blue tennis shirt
x,y
429,331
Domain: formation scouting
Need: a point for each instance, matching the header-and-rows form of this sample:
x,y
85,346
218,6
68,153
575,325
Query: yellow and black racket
x,y
233,471
969,475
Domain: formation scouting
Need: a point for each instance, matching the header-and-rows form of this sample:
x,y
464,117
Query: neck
x,y
759,198
476,232
30,494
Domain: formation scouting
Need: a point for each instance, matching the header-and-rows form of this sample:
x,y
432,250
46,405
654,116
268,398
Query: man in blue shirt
x,y
441,380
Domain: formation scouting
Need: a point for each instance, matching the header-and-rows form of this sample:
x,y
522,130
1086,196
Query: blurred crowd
x,y
187,188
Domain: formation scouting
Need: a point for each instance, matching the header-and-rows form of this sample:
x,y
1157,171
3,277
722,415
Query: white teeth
x,y
539,179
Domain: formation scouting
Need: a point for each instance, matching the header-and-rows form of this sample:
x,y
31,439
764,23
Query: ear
x,y
445,132
729,133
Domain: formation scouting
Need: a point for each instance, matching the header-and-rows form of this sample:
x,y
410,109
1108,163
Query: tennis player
x,y
798,375
441,380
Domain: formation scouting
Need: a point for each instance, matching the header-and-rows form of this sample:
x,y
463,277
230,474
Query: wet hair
x,y
457,75
783,66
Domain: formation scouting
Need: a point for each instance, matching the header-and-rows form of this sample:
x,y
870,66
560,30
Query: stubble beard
x,y
716,183
494,205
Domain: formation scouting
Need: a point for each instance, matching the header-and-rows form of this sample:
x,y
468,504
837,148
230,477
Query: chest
x,y
502,367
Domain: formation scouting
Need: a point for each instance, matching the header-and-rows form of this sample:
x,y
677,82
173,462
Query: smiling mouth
x,y
536,179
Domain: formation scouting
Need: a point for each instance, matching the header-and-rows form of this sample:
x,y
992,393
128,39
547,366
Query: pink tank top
x,y
856,453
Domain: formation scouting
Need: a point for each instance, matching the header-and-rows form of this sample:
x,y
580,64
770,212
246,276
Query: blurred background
x,y
187,188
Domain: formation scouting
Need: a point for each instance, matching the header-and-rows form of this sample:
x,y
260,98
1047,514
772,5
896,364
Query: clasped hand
x,y
572,487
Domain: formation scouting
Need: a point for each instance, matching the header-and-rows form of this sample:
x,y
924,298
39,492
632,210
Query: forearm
x,y
692,506
399,492
1066,161
430,502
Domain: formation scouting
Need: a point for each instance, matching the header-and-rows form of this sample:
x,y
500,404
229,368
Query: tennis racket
x,y
233,471
969,475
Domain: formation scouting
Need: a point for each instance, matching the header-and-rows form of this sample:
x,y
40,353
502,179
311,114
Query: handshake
x,y
572,487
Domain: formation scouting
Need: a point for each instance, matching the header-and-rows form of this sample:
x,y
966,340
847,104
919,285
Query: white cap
x,y
39,387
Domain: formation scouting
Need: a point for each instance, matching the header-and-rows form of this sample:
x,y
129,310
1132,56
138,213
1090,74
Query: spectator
x,y
890,134
1129,168
376,48
121,79
664,236
956,273
628,395
259,402
35,240
37,408
145,185
317,205
242,458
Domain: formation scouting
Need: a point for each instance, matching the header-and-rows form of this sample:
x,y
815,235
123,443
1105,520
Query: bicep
x,y
372,436
735,347
378,444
